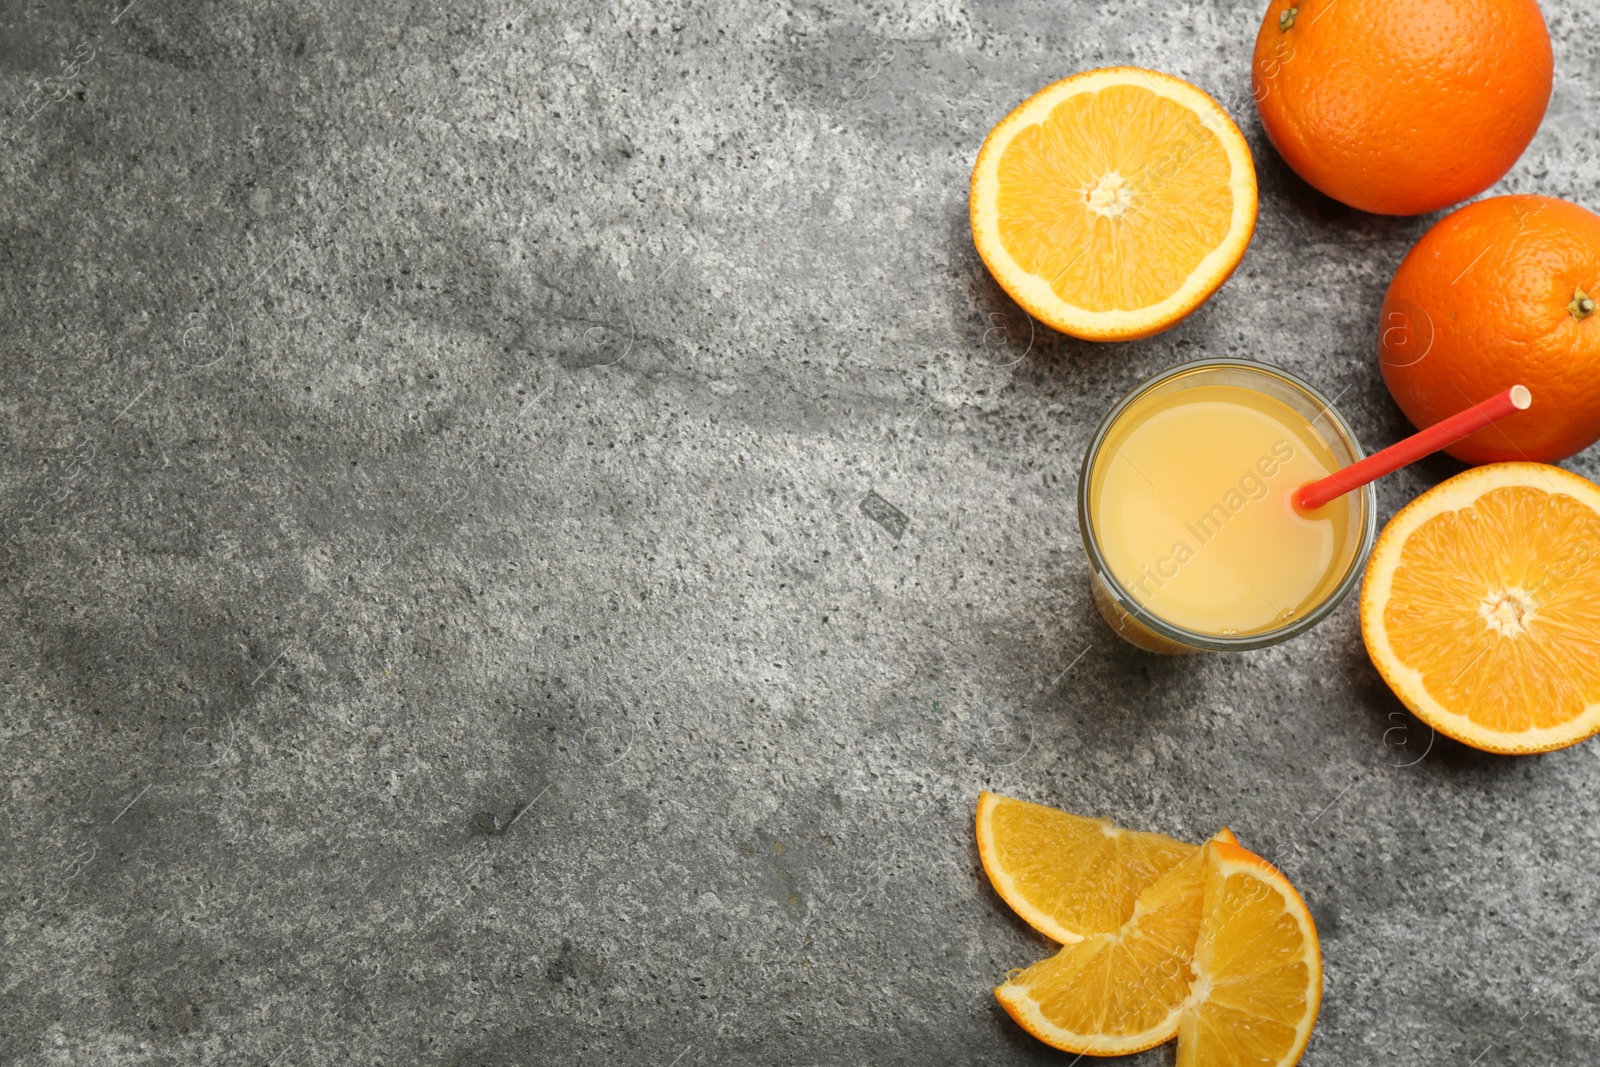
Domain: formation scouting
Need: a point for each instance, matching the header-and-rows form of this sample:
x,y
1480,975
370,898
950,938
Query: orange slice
x,y
1068,876
1113,203
1221,953
1257,968
1117,993
1481,607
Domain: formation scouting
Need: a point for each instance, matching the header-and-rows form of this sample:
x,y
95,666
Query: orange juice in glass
x,y
1184,504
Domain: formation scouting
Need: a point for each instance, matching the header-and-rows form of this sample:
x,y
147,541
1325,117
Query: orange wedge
x,y
1221,953
1257,968
1112,994
1068,876
1481,607
1113,203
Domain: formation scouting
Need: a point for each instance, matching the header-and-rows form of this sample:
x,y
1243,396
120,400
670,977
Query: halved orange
x,y
1257,968
1481,607
1111,204
1068,876
1121,992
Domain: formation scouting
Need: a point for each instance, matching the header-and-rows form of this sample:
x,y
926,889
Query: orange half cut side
x,y
1481,607
1113,203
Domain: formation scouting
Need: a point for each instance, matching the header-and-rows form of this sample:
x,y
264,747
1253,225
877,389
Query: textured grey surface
x,y
414,413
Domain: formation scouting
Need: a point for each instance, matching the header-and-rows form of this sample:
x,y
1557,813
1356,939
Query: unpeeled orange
x,y
1401,106
1497,294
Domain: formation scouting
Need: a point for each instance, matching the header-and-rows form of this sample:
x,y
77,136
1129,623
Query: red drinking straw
x,y
1313,495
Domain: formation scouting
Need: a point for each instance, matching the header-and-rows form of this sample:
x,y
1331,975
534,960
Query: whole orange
x,y
1401,106
1500,293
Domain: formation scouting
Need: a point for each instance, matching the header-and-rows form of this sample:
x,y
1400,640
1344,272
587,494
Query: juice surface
x,y
1190,501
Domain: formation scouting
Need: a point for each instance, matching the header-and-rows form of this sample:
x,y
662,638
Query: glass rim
x,y
1217,642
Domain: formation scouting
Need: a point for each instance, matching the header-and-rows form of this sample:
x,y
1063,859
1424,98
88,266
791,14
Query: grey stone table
x,y
526,529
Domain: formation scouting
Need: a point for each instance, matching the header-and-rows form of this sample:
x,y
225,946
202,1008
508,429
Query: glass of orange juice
x,y
1185,505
